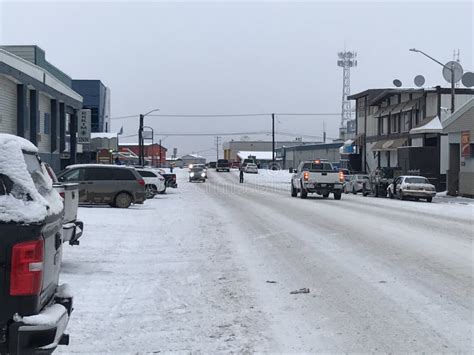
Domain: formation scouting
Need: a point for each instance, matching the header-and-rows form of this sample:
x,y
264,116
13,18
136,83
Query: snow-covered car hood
x,y
25,204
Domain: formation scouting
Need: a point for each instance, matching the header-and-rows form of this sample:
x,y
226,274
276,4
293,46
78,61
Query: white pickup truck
x,y
72,227
316,177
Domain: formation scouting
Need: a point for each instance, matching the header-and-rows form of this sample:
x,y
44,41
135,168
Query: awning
x,y
359,140
433,126
410,105
389,144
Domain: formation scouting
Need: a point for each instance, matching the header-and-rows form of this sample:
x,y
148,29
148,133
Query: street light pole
x,y
273,141
141,160
451,69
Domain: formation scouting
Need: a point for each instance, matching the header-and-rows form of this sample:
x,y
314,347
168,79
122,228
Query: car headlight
x,y
191,174
203,175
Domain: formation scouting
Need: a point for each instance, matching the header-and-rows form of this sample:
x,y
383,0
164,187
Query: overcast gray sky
x,y
224,57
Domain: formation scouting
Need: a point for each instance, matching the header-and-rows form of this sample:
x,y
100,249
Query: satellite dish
x,y
419,80
457,71
397,83
468,79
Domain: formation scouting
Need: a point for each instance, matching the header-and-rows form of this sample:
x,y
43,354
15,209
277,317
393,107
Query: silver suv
x,y
117,186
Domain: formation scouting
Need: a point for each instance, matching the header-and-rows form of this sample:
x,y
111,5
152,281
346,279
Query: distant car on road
x,y
251,168
411,186
117,186
197,174
316,177
355,183
154,182
34,308
212,164
223,165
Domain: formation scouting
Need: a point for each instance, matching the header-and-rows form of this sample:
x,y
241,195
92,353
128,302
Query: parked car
x,y
197,174
72,227
316,177
235,165
411,186
117,186
34,308
202,166
154,182
212,164
251,168
223,165
355,183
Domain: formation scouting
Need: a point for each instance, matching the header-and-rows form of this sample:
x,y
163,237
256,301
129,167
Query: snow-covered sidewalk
x,y
160,277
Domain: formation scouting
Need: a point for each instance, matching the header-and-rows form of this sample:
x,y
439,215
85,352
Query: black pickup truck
x,y
34,309
223,165
170,180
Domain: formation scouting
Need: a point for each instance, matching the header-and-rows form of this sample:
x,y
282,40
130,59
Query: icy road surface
x,y
189,271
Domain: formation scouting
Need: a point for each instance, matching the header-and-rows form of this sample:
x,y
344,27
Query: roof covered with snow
x,y
258,155
107,135
433,126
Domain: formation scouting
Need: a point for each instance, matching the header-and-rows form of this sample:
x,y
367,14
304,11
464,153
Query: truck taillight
x,y
141,182
26,274
341,176
62,194
306,176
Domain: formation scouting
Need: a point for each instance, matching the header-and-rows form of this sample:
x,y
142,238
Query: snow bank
x,y
32,197
64,291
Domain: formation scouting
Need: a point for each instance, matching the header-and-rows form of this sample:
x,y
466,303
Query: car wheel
x,y
400,195
303,193
123,200
345,190
163,192
429,199
337,195
150,193
326,195
294,192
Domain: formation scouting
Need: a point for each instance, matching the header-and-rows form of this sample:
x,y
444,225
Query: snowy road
x,y
188,271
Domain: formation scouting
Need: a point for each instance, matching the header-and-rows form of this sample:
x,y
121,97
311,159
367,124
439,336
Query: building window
x,y
388,158
406,121
395,123
416,118
47,123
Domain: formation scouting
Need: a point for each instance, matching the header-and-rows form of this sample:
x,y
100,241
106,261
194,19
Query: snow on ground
x,y
189,271
160,277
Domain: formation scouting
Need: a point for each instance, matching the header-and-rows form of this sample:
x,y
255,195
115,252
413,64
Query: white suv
x,y
154,182
251,168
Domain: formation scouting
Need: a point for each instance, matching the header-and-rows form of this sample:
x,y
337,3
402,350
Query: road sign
x,y
83,126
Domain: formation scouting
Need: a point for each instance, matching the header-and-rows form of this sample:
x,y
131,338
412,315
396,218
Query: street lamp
x,y
141,160
451,69
152,142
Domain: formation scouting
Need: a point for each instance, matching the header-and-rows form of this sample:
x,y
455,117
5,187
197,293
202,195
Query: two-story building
x,y
38,103
401,127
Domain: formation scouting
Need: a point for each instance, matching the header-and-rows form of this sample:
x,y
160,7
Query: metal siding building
x,y
37,105
291,157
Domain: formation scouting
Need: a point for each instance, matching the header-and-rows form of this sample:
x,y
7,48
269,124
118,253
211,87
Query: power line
x,y
230,134
232,115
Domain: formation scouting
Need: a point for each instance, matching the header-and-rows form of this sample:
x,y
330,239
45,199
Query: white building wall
x,y
44,139
432,105
417,142
8,106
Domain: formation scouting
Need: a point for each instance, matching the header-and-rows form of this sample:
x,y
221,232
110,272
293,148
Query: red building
x,y
155,155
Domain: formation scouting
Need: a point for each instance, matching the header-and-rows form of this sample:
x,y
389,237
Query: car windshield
x,y
197,169
416,180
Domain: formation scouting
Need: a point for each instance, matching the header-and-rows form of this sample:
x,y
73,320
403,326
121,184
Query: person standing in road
x,y
241,175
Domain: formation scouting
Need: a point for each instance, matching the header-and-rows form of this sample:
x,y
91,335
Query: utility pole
x,y
161,151
140,141
217,148
324,132
273,141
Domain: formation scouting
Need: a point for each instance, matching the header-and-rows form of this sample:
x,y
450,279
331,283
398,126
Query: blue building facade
x,y
96,97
